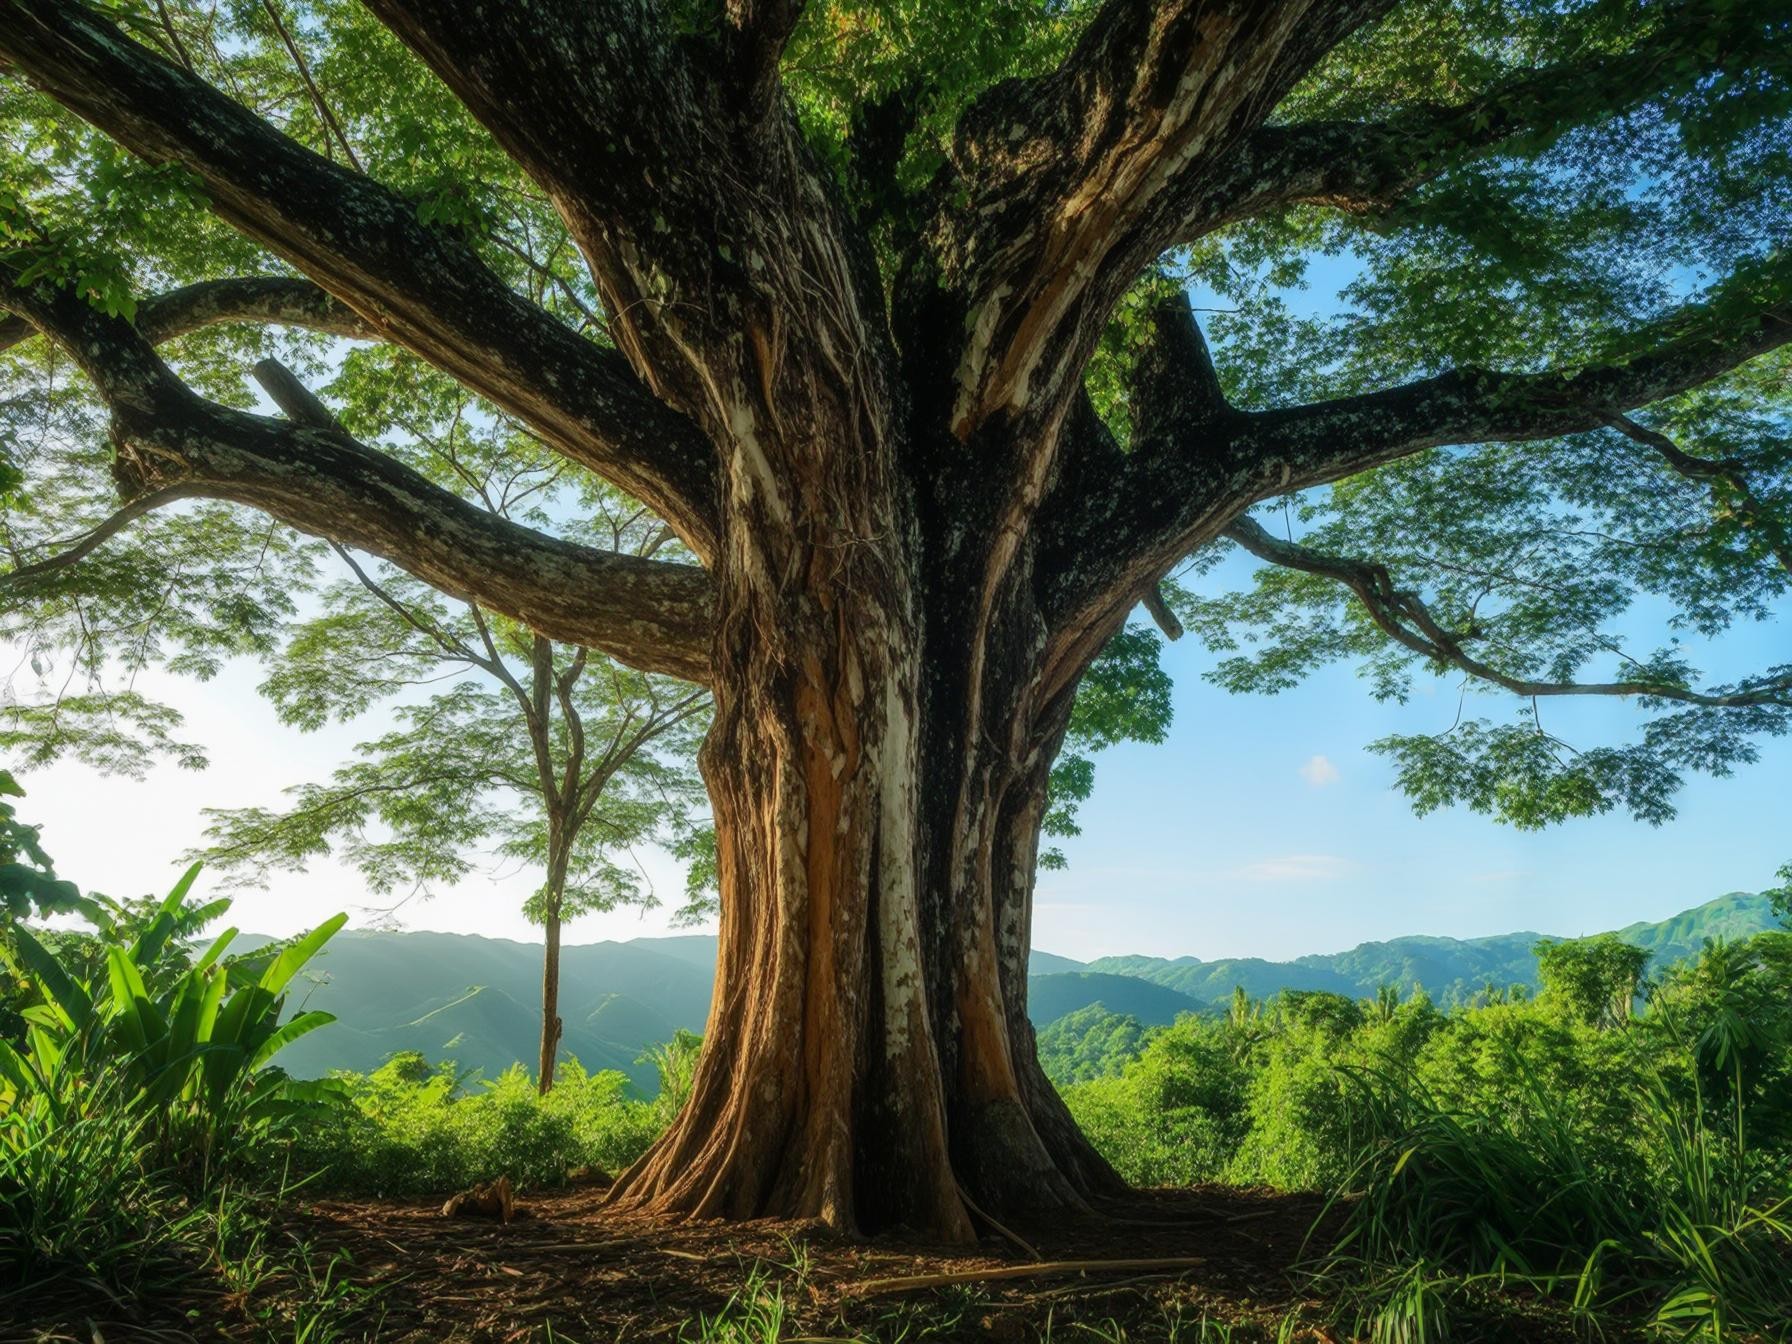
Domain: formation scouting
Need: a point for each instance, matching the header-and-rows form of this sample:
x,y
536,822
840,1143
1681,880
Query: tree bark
x,y
868,1060
551,1025
877,767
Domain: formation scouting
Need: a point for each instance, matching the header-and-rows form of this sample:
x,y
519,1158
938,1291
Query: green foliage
x,y
188,1040
419,1129
1595,979
501,745
675,1062
1682,1225
134,1076
1089,1043
1642,1172
1562,246
414,1129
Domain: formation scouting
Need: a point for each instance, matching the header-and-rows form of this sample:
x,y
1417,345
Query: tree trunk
x,y
551,1025
868,1060
876,762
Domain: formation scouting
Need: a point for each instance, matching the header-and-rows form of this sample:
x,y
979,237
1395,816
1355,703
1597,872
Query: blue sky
x,y
1263,827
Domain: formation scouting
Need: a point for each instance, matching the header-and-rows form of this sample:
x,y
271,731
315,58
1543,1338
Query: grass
x,y
1458,1216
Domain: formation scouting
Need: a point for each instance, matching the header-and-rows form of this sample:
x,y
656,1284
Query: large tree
x,y
884,308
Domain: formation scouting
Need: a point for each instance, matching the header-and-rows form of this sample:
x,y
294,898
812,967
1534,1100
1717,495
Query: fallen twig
x,y
1045,1269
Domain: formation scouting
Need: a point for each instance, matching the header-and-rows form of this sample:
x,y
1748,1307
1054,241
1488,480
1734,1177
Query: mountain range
x,y
475,1000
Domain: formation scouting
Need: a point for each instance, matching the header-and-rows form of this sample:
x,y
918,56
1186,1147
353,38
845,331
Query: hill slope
x,y
473,1000
1449,969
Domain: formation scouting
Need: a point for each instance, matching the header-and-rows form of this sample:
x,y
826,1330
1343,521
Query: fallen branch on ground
x,y
1045,1269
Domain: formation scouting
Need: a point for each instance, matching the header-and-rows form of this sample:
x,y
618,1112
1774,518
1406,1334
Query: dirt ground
x,y
572,1270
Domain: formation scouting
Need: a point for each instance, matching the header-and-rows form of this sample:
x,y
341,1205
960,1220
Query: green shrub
x,y
416,1130
1175,1114
135,1074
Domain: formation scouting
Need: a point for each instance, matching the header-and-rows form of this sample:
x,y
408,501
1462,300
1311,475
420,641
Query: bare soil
x,y
570,1269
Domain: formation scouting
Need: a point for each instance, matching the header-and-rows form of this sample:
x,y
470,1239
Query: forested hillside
x,y
1450,970
470,1000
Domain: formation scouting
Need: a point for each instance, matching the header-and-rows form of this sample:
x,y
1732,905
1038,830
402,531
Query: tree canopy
x,y
1536,187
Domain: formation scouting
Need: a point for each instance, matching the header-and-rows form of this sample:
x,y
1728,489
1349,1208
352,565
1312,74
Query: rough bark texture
x,y
916,531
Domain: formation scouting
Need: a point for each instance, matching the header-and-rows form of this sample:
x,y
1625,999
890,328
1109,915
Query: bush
x,y
414,1129
1636,1165
135,1074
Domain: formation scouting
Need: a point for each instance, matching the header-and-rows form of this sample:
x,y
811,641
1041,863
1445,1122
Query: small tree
x,y
542,753
1596,979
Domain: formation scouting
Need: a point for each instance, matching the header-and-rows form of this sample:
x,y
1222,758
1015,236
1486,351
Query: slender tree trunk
x,y
551,1025
550,1003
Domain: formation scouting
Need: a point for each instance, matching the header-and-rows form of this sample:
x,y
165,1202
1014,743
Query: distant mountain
x,y
1741,914
476,1000
1050,997
1449,969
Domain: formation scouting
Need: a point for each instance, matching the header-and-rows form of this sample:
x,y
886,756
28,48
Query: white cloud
x,y
1319,771
1295,868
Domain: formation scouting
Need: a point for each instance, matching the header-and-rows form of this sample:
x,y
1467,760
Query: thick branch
x,y
1403,617
647,613
1310,445
364,243
759,29
1075,180
733,279
275,300
1114,526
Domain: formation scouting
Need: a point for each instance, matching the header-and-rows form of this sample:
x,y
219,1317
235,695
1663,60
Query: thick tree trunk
x,y
868,1060
878,754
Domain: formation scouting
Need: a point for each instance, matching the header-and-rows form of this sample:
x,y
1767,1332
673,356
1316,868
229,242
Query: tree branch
x,y
684,207
1304,446
1159,611
364,243
296,401
1726,471
1367,166
647,613
276,300
76,549
1405,619
1115,527
760,29
1075,180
